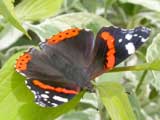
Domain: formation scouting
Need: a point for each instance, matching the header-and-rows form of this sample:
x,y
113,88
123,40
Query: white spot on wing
x,y
128,36
47,92
54,104
44,96
28,87
58,98
26,82
123,29
135,35
36,96
130,48
143,40
33,92
22,74
41,104
120,40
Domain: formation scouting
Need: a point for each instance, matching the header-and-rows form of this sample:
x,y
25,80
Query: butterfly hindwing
x,y
47,95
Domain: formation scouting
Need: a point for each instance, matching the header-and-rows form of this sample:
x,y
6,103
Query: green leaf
x,y
92,5
34,10
89,100
88,114
60,23
108,76
135,106
115,100
153,55
16,101
7,10
150,15
150,4
74,116
5,35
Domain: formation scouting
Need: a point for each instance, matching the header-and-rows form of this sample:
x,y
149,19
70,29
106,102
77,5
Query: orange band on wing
x,y
22,62
110,57
63,35
56,89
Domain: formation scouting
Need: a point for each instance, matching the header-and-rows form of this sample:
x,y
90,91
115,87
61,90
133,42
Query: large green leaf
x,y
150,4
37,9
7,10
153,55
60,23
115,100
16,101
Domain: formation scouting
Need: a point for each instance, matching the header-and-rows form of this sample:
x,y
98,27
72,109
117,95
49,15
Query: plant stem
x,y
140,82
130,68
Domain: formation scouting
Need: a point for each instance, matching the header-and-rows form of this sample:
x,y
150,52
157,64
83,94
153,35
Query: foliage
x,y
121,94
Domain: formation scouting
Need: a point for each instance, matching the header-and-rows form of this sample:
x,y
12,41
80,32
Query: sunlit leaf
x,y
115,100
108,76
5,35
150,4
7,10
135,106
150,16
33,10
153,55
60,23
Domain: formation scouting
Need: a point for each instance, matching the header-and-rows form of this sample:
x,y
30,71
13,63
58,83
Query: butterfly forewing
x,y
113,45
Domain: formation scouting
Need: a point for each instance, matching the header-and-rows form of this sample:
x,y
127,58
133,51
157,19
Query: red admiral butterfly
x,y
70,59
